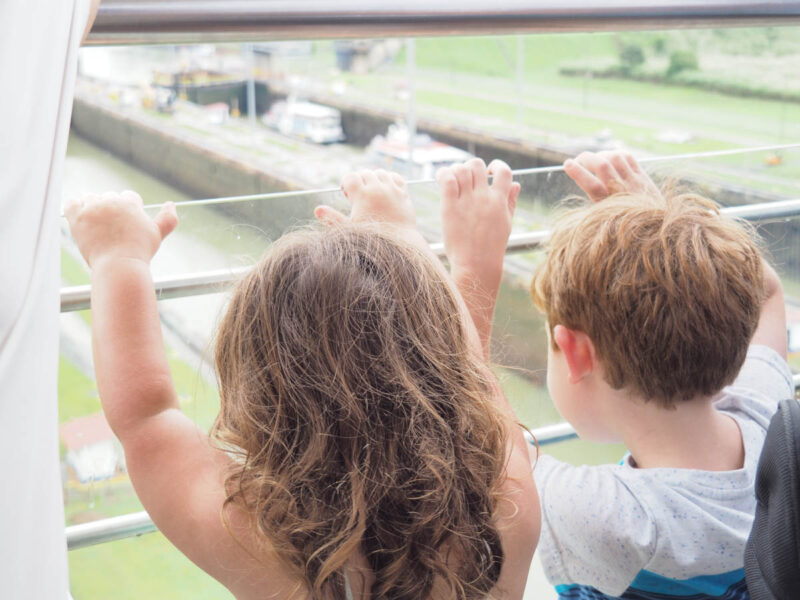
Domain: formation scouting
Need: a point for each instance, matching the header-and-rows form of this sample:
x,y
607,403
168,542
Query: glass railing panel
x,y
136,568
468,84
96,484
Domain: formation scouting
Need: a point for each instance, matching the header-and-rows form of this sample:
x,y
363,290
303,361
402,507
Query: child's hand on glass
x,y
476,216
377,196
115,225
603,174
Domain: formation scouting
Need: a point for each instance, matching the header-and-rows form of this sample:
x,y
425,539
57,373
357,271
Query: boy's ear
x,y
578,351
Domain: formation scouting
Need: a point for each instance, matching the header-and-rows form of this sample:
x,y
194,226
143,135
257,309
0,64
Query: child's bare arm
x,y
771,330
476,222
176,473
603,174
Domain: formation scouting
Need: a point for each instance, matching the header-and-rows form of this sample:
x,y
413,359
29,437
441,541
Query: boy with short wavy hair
x,y
667,333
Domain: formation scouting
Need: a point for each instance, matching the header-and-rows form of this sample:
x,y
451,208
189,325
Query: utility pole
x,y
411,63
520,79
251,84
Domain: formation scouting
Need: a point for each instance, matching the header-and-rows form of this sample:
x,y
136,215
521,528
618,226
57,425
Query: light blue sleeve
x,y
594,530
764,380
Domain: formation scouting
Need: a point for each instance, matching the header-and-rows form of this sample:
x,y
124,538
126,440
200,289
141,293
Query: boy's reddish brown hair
x,y
668,290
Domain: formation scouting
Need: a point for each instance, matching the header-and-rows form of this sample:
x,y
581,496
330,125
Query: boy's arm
x,y
176,473
476,222
771,329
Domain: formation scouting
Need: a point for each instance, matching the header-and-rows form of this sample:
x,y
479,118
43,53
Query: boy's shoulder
x,y
764,380
603,526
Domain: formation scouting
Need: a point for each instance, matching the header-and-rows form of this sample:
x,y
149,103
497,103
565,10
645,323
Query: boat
x,y
421,159
306,120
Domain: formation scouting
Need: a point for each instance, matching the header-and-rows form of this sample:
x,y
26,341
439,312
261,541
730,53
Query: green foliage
x,y
631,56
659,43
682,60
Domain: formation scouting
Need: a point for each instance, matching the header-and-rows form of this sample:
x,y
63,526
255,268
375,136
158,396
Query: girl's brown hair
x,y
363,420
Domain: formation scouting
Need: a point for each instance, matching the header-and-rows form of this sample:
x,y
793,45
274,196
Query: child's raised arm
x,y
771,329
476,222
177,474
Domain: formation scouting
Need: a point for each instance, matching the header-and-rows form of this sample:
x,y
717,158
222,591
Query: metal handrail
x,y
109,530
178,21
134,524
210,282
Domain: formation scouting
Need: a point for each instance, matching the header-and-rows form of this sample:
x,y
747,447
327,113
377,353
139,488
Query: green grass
x,y
496,56
453,72
138,568
579,452
77,393
73,271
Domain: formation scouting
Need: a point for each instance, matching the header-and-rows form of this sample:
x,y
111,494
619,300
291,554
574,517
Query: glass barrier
x,y
144,567
536,101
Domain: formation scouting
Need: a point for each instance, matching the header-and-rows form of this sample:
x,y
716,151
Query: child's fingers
x,y
398,180
620,163
383,176
166,219
586,180
599,165
512,197
502,177
351,183
480,179
369,177
72,208
329,215
632,163
464,177
131,196
448,184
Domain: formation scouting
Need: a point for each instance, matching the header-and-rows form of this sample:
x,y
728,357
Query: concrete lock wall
x,y
191,167
204,173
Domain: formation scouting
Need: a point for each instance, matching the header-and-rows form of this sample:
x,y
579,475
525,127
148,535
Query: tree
x,y
630,57
682,60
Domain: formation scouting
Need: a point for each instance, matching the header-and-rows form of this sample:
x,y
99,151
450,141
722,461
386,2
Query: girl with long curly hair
x,y
363,448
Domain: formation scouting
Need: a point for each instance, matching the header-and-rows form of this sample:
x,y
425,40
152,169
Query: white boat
x,y
306,120
418,160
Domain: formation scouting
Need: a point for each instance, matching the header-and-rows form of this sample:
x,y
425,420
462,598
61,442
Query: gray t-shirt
x,y
664,532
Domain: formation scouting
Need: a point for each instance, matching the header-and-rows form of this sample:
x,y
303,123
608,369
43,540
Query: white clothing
x,y
611,526
39,41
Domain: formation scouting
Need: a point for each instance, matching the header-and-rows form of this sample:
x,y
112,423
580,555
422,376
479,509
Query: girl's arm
x,y
476,222
177,474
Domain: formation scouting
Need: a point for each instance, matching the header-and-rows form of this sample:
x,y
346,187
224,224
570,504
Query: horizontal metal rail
x,y
108,530
210,282
134,524
179,21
